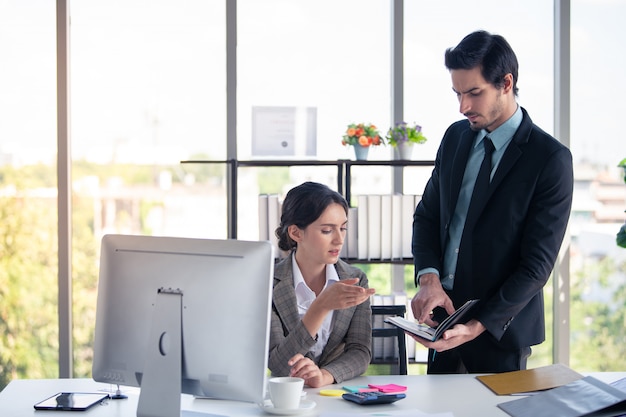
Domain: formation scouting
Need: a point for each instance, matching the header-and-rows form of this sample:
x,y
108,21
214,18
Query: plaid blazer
x,y
348,350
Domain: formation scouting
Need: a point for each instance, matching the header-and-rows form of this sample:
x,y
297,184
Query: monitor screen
x,y
198,305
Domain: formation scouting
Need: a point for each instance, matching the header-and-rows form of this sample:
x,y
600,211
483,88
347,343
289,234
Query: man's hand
x,y
429,296
456,336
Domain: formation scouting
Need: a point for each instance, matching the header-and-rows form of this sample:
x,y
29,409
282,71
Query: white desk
x,y
463,395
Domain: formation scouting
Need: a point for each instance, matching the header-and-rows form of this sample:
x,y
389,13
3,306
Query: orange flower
x,y
362,134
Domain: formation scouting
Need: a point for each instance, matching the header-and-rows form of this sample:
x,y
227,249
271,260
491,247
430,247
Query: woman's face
x,y
322,240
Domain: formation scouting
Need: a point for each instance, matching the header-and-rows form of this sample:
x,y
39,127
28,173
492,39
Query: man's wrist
x,y
428,278
425,271
476,327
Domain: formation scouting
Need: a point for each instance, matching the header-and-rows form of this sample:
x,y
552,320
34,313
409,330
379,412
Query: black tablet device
x,y
72,401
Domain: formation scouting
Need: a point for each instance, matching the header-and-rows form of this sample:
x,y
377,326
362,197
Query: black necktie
x,y
482,181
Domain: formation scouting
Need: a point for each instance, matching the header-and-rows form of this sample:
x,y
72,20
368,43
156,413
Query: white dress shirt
x,y
305,296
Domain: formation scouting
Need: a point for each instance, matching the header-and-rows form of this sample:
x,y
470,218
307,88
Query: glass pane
x,y
147,92
336,62
598,265
28,197
431,28
328,55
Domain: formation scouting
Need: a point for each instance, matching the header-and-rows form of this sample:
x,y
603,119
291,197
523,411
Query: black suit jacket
x,y
508,250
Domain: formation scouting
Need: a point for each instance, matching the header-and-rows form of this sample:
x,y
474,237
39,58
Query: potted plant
x,y
403,136
361,136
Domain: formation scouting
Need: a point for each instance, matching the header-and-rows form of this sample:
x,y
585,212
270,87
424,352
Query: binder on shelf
x,y
385,226
374,226
342,164
351,235
408,208
344,249
263,217
362,223
396,226
273,220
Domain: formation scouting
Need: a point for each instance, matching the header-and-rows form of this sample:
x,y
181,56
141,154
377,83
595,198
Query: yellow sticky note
x,y
332,392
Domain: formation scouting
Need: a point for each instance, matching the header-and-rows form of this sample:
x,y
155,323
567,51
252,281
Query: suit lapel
x,y
512,153
458,167
284,294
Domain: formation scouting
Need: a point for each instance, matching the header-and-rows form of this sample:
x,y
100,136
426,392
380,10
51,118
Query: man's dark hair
x,y
492,53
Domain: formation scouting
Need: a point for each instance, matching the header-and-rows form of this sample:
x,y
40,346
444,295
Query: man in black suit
x,y
499,244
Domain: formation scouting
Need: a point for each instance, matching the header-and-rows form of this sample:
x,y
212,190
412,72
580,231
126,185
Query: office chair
x,y
389,357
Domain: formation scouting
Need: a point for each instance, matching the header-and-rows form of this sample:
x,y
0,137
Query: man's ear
x,y
508,83
295,233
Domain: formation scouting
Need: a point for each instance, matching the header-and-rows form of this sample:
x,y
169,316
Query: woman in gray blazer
x,y
321,326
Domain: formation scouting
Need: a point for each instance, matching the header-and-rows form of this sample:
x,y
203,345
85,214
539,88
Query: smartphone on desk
x,y
71,401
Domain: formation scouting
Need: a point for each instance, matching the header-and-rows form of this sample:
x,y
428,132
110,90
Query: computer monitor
x,y
183,315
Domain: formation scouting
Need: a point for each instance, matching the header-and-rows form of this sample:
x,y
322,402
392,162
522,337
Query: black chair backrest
x,y
387,330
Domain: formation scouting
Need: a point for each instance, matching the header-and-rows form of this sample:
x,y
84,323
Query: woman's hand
x,y
343,294
305,368
340,295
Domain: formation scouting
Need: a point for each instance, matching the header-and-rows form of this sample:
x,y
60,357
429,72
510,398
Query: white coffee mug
x,y
285,392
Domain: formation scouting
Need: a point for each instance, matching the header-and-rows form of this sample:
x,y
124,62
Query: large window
x,y
147,92
329,56
147,83
28,214
432,27
598,272
148,89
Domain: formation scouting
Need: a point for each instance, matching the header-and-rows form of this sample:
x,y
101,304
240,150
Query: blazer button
x,y
508,323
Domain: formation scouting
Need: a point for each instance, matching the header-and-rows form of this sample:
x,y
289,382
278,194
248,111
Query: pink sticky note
x,y
388,388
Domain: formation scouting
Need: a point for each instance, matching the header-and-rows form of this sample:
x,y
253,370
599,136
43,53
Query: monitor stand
x,y
161,382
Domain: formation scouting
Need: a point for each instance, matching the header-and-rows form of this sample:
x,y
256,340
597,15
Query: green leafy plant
x,y
405,133
621,235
